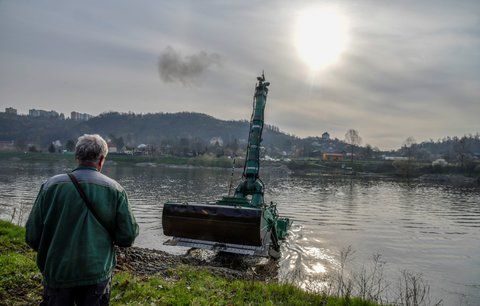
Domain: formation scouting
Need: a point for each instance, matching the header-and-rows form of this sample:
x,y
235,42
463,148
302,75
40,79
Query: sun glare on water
x,y
321,36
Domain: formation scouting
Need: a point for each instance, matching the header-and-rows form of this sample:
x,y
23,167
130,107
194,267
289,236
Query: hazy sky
x,y
405,68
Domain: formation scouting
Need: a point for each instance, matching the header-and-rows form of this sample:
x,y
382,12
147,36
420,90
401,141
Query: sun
x,y
321,36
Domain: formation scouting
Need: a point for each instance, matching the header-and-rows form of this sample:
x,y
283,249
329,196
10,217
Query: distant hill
x,y
136,129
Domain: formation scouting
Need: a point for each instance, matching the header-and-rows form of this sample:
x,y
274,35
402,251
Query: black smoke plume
x,y
174,67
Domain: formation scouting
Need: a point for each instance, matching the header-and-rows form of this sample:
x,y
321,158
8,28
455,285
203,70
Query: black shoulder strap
x,y
87,202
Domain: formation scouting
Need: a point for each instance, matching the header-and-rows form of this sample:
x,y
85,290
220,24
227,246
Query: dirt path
x,y
142,261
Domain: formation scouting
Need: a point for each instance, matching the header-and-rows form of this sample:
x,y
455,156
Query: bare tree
x,y
368,152
353,139
51,148
70,145
409,146
462,151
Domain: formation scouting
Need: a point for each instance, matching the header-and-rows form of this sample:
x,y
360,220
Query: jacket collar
x,y
83,167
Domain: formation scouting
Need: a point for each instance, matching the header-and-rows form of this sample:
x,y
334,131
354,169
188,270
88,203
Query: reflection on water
x,y
430,229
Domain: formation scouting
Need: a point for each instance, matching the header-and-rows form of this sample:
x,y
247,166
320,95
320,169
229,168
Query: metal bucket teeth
x,y
212,222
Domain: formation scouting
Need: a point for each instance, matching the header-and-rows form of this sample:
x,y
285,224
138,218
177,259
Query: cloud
x,y
173,67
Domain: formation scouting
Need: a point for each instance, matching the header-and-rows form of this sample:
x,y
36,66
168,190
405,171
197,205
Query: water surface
x,y
429,229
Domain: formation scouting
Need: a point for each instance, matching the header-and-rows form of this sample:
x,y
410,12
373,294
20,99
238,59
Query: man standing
x,y
74,224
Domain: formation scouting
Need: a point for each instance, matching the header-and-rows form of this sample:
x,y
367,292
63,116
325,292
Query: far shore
x,y
417,171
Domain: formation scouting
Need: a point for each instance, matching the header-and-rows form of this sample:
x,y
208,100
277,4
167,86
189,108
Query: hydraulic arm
x,y
251,184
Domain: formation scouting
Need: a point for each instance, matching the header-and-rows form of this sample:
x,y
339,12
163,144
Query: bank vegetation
x,y
20,283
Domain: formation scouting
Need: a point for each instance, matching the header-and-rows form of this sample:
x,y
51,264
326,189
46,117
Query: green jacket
x,y
73,248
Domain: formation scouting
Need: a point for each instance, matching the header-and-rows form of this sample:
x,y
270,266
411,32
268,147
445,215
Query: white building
x,y
80,116
10,110
216,141
43,113
395,157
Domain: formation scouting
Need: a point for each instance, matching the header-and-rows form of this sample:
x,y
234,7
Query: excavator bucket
x,y
227,228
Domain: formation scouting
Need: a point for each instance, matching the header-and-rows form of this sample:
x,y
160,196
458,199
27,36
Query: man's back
x,y
74,249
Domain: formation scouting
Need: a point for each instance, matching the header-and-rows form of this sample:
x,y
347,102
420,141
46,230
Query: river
x,y
432,230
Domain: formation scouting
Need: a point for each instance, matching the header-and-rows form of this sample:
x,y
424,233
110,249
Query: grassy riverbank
x,y
20,283
412,169
204,160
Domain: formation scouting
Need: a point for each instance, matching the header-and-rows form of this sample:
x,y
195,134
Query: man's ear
x,y
101,161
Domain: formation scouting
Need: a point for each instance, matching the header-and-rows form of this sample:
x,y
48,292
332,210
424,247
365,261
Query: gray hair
x,y
89,148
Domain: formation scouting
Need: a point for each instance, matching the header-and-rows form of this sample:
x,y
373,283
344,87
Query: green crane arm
x,y
251,184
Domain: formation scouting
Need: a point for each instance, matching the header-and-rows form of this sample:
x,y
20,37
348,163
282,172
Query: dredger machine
x,y
243,223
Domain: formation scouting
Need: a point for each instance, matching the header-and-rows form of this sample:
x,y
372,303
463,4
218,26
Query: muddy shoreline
x,y
144,262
